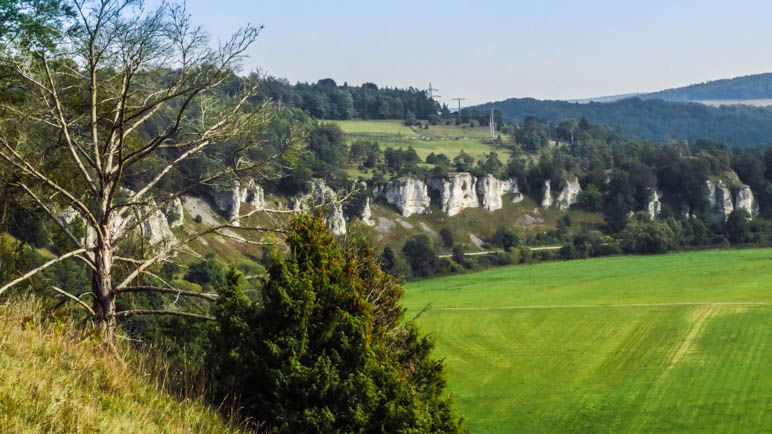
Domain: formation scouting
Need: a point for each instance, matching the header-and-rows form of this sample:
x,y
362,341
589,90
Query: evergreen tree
x,y
327,351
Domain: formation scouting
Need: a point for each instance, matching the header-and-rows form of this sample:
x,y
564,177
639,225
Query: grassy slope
x,y
446,139
52,381
700,368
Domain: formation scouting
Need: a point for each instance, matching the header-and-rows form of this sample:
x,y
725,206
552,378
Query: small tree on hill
x,y
124,91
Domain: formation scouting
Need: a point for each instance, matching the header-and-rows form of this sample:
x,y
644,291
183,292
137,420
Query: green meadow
x,y
446,139
667,343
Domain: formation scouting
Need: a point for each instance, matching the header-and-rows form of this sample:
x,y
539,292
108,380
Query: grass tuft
x,y
56,378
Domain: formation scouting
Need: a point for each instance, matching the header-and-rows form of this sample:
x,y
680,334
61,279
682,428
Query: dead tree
x,y
83,104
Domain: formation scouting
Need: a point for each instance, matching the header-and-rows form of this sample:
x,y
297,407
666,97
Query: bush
x,y
737,227
447,237
420,255
207,272
505,239
320,354
198,218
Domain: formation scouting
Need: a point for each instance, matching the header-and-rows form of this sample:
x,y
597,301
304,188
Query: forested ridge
x,y
655,119
757,86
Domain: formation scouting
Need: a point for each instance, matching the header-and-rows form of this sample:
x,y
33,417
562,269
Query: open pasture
x,y
667,343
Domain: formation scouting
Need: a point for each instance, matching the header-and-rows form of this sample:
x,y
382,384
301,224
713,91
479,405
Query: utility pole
x,y
492,124
430,91
459,106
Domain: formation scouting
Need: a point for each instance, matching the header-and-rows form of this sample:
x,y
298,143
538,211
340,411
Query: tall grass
x,y
55,376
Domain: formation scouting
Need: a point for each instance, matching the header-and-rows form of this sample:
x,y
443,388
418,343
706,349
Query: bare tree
x,y
76,132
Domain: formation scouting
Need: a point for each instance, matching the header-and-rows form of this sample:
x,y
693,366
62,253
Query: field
x,y
446,139
678,342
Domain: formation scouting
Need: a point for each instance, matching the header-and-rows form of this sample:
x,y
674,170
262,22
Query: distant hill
x,y
750,89
654,119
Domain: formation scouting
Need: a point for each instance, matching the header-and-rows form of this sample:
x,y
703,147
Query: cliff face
x,y
367,216
720,200
456,194
332,211
229,199
175,213
453,195
546,194
409,195
490,190
569,194
154,228
744,199
654,207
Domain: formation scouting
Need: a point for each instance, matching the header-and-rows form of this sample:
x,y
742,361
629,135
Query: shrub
x,y
322,353
447,237
505,239
420,255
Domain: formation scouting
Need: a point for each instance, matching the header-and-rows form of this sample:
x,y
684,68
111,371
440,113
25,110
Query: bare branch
x,y
127,313
204,295
41,268
64,128
76,299
58,221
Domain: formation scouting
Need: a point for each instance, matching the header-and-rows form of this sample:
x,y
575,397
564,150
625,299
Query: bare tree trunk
x,y
102,288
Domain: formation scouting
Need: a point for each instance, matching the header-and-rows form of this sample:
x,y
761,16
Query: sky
x,y
490,51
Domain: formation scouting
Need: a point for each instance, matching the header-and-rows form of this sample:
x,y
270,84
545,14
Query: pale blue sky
x,y
494,50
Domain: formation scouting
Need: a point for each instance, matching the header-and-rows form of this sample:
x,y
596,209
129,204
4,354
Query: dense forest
x,y
654,119
758,86
325,99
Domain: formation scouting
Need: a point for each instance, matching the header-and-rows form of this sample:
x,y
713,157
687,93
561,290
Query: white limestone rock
x,y
546,195
456,194
720,200
155,228
175,213
654,207
252,194
333,212
490,190
367,216
227,200
746,200
569,193
409,195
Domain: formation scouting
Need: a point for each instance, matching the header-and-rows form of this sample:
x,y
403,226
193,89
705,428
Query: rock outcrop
x,y
546,195
155,228
252,194
175,213
569,193
409,195
228,199
490,190
720,200
744,199
654,207
324,196
456,194
367,216
452,195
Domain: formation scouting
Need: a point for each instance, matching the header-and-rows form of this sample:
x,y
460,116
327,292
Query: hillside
x,y
677,343
738,90
56,380
653,119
